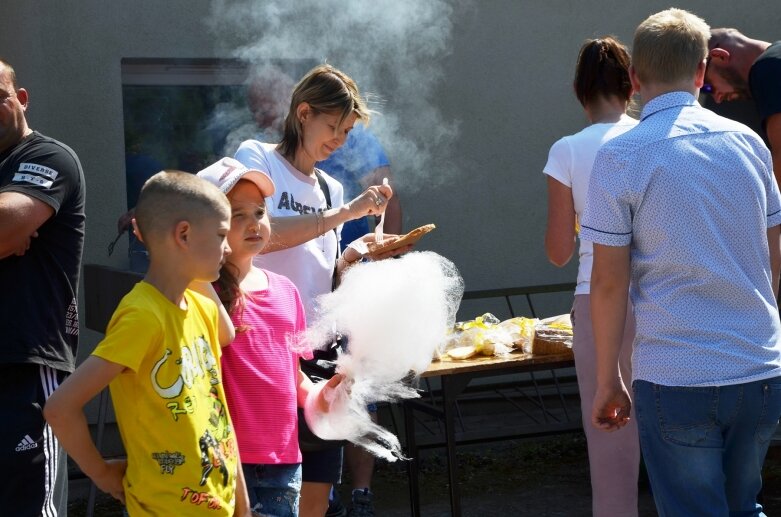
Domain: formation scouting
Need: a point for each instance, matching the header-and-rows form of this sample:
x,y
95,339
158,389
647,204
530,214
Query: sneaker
x,y
362,503
336,508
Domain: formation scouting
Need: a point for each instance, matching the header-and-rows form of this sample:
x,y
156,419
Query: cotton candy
x,y
395,313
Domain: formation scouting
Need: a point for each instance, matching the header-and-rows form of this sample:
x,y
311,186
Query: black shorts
x,y
322,466
34,473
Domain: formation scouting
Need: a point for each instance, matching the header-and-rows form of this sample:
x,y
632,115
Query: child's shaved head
x,y
169,197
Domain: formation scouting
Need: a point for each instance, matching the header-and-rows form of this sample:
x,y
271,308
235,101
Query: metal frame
x,y
104,287
455,385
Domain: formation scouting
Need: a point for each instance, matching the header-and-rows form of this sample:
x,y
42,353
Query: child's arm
x,y
64,413
242,508
226,331
305,387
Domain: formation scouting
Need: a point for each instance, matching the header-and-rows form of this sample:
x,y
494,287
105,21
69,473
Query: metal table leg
x,y
449,392
413,465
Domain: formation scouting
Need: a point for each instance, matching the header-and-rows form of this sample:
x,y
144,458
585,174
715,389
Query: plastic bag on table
x,y
481,336
521,331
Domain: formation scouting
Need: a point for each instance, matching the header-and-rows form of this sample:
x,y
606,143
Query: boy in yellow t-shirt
x,y
161,359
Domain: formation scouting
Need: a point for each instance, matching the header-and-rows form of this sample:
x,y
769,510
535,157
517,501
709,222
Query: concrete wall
x,y
507,81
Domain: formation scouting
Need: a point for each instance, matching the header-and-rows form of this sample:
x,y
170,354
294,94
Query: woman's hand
x,y
373,201
382,255
359,248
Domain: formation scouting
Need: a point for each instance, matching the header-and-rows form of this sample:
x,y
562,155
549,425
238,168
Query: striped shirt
x,y
260,374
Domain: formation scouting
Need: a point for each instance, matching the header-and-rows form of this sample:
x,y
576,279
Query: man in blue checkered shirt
x,y
685,207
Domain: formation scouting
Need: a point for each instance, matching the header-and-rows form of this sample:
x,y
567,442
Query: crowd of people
x,y
678,216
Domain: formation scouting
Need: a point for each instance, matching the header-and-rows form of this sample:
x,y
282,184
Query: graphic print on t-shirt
x,y
72,319
216,444
288,202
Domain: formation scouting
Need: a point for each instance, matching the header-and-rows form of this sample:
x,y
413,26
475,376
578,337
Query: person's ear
x,y
303,111
699,75
23,97
182,233
634,80
720,55
136,231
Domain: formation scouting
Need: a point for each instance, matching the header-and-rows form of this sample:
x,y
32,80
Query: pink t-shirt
x,y
260,374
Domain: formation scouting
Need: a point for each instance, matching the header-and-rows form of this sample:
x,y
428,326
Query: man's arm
x,y
64,413
774,243
773,129
609,290
20,217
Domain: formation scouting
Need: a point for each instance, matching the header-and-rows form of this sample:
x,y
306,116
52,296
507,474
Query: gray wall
x,y
507,82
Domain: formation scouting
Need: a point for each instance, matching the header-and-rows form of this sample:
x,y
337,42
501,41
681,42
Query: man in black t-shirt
x,y
41,241
742,68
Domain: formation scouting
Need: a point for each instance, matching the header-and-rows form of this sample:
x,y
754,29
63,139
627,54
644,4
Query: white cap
x,y
226,172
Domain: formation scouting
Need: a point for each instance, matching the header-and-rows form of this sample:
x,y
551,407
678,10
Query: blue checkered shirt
x,y
692,194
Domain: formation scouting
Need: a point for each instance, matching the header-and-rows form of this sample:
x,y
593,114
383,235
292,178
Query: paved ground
x,y
527,477
541,477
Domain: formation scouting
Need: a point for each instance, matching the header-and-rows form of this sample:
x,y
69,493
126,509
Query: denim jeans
x,y
704,447
273,490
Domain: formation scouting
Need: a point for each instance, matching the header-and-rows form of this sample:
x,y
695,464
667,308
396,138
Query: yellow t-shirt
x,y
170,405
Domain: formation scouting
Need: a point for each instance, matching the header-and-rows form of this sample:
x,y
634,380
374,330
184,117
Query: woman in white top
x,y
325,105
603,87
306,212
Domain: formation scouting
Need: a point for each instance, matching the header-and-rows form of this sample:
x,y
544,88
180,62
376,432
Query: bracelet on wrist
x,y
319,223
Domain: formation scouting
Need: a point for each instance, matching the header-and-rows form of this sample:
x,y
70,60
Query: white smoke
x,y
395,313
393,49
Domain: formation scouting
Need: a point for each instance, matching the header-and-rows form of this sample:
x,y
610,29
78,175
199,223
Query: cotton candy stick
x,y
378,230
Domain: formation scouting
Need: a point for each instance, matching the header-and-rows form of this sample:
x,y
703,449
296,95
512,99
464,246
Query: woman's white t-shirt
x,y
310,266
570,161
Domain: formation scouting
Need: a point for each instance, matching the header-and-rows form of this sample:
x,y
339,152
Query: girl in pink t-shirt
x,y
263,382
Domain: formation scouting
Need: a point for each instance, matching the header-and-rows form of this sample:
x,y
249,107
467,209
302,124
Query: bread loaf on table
x,y
553,336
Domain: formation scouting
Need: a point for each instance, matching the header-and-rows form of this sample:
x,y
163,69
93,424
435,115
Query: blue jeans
x,y
704,447
273,490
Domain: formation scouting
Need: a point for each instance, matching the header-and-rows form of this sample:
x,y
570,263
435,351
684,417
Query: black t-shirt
x,y
38,291
764,80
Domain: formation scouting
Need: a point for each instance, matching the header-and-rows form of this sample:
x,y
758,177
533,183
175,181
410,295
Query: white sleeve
x,y
251,154
559,166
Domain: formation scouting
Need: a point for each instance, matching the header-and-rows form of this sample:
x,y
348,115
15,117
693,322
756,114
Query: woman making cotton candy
x,y
307,211
324,106
603,87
